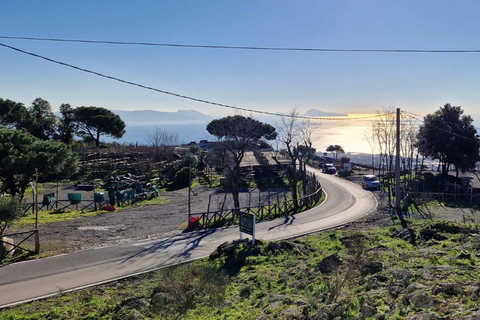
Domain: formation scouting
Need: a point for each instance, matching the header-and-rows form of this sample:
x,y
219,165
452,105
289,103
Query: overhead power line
x,y
241,47
176,94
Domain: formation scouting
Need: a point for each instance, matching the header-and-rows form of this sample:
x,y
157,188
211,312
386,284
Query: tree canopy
x,y
449,136
237,134
95,121
14,115
44,124
67,127
336,149
21,154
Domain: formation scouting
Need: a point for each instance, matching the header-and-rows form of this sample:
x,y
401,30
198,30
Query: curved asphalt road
x,y
35,279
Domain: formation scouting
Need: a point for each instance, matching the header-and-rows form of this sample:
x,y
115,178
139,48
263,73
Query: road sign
x,y
247,225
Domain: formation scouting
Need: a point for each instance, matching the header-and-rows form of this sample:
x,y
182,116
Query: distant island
x,y
152,115
318,113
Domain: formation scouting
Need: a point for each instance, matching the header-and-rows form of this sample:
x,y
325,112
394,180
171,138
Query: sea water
x,y
350,134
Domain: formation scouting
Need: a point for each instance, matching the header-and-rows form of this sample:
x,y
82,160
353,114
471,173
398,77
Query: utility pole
x,y
397,165
189,187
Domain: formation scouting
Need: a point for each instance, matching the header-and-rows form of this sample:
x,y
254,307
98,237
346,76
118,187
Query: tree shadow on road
x,y
192,239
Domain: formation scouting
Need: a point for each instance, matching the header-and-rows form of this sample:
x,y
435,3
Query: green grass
x,y
64,215
53,216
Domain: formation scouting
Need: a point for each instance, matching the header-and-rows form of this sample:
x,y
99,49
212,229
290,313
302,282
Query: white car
x,y
370,181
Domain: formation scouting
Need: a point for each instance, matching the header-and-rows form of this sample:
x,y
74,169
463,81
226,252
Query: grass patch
x,y
62,215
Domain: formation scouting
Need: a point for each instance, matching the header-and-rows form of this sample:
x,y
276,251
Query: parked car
x,y
370,181
329,168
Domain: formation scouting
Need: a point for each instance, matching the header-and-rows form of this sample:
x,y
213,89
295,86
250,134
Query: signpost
x,y
247,225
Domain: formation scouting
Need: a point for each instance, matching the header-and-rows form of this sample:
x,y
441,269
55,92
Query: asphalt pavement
x,y
35,279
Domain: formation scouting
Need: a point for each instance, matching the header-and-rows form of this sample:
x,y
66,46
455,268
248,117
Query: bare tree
x,y
295,137
162,142
383,130
369,136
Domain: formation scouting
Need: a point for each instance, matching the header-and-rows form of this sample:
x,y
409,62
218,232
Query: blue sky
x,y
262,80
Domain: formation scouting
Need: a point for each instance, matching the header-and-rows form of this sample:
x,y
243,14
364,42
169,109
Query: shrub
x,y
11,208
184,287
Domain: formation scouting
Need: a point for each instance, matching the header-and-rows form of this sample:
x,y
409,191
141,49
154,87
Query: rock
x,y
292,314
378,249
427,275
422,316
127,314
376,281
295,246
373,283
451,228
129,309
415,287
277,298
330,311
420,300
428,234
401,276
475,315
371,268
464,255
404,234
395,290
366,311
432,252
133,303
330,263
449,289
474,291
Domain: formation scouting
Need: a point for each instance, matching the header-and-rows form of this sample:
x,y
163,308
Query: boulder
x,y
422,316
330,263
376,281
329,311
401,276
428,234
449,289
371,268
415,287
292,314
420,300
367,311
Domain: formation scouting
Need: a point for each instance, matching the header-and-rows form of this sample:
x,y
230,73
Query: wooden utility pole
x,y
189,187
397,165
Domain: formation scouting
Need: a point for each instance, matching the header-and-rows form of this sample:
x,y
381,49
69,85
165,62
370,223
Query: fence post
x,y
37,241
56,197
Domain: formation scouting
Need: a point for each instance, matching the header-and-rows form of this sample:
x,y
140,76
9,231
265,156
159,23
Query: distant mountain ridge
x,y
318,113
152,115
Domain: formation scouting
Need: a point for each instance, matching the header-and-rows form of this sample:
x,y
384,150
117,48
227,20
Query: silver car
x,y
370,181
